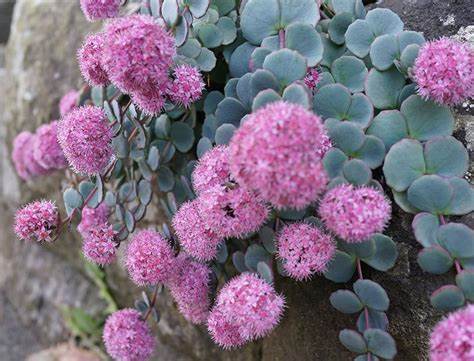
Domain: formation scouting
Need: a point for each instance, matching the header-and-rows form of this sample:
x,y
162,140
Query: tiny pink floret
x,y
46,149
212,169
68,102
92,218
89,57
187,85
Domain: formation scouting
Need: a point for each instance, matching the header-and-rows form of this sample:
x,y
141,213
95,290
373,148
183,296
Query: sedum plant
x,y
274,134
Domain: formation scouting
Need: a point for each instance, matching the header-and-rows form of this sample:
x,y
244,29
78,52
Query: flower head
x,y
250,304
444,71
138,53
92,218
232,211
224,333
150,259
187,85
89,57
195,236
86,139
100,9
304,250
127,337
32,166
37,221
212,169
276,154
189,287
355,214
99,245
453,338
311,79
18,154
46,149
150,101
68,102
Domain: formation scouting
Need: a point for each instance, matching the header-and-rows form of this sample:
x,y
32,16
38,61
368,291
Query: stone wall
x,y
35,281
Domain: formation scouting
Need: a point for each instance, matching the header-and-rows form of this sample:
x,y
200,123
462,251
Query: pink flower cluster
x,y
46,150
93,218
86,139
68,102
232,212
127,337
100,9
149,259
187,85
276,153
304,250
37,221
195,236
212,169
99,245
89,57
189,287
137,54
453,338
355,214
311,79
246,309
223,209
444,71
38,154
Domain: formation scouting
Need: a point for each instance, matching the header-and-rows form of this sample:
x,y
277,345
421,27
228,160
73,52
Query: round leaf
x,y
384,51
350,72
372,152
305,40
384,21
465,281
230,111
182,136
239,61
425,226
333,162
446,156
287,66
359,37
224,133
357,172
372,295
389,126
447,298
338,27
430,193
385,255
404,163
341,268
297,94
380,343
383,87
265,97
426,119
353,341
345,301
458,239
165,179
435,260
332,101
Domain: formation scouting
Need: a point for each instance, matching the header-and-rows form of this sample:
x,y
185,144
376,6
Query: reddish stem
x,y
281,35
152,303
366,311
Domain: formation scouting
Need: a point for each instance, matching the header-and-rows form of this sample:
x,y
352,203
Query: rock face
x,y
35,281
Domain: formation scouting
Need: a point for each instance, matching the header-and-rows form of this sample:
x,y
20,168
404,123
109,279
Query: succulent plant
x,y
254,53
